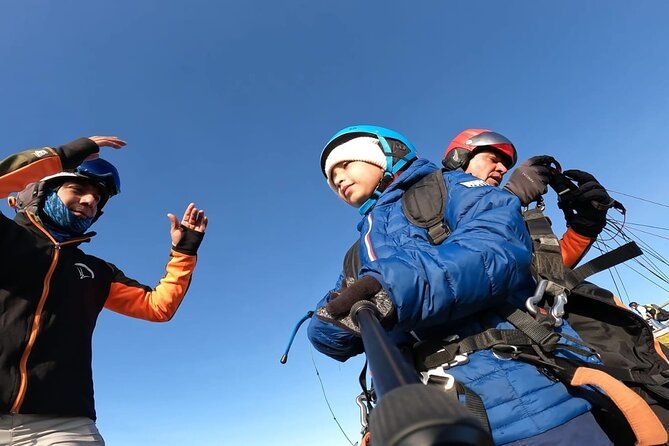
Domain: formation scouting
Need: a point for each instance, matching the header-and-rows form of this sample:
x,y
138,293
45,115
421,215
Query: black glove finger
x,y
544,173
598,195
579,176
544,160
342,304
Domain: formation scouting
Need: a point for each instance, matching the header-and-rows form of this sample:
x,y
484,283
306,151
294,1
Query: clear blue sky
x,y
228,104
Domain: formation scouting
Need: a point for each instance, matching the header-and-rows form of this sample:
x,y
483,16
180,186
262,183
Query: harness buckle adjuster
x,y
500,351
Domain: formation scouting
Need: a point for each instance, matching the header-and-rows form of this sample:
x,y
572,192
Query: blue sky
x,y
228,105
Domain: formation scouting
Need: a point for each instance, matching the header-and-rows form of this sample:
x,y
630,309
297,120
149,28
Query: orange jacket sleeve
x,y
23,168
574,246
129,297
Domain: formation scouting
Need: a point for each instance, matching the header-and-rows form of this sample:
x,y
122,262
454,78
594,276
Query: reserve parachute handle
x,y
408,412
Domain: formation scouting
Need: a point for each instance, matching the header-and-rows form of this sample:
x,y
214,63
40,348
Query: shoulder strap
x,y
352,261
424,205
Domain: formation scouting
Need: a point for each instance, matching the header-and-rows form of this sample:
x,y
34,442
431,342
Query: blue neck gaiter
x,y
65,224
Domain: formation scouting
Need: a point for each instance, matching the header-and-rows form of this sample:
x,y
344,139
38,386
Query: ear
x,y
456,159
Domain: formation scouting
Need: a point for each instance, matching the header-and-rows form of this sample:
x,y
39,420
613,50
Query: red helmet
x,y
468,142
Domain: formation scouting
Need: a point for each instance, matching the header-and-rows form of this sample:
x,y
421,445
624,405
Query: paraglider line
x,y
313,361
638,198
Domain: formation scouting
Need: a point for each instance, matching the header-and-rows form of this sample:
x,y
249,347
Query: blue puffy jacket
x,y
446,289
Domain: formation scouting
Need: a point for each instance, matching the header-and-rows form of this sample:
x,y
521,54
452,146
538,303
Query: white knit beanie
x,y
362,148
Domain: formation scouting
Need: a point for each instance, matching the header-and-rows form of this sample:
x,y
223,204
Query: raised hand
x,y
105,141
193,218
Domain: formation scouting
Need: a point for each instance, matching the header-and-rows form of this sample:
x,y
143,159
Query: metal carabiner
x,y
557,310
532,301
364,415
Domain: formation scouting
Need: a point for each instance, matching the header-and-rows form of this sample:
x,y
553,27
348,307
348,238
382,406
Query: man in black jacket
x,y
51,292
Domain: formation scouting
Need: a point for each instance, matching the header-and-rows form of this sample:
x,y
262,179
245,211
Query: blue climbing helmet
x,y
398,150
102,173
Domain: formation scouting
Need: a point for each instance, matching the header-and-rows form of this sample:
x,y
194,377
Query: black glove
x,y
341,302
585,211
530,179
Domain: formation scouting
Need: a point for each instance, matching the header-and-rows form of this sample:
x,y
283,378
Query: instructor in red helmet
x,y
488,155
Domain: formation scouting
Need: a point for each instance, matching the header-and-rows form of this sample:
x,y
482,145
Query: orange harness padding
x,y
644,423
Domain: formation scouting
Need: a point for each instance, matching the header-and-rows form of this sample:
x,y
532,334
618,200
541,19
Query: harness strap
x,y
362,379
431,354
605,261
474,404
547,255
539,333
472,400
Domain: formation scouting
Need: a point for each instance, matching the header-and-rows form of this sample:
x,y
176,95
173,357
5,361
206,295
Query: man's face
x,y
355,181
488,165
81,198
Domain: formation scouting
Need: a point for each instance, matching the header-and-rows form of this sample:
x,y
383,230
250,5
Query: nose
x,y
89,200
501,168
337,176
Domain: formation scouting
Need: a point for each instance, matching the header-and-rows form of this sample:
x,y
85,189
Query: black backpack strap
x,y
352,264
424,204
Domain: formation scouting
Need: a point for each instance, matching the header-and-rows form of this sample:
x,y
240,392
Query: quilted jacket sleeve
x,y
330,339
485,259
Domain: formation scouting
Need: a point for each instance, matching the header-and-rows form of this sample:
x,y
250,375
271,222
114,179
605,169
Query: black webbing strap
x,y
610,259
539,333
430,354
473,401
362,379
546,251
352,264
528,332
474,404
544,338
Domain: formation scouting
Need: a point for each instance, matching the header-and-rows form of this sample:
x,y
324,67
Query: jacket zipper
x,y
23,364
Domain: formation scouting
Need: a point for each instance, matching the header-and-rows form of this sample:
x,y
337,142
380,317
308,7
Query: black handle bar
x,y
409,413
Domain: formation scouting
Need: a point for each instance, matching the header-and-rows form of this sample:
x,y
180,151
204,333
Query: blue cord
x,y
309,314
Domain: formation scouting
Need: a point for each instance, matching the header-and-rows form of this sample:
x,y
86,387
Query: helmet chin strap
x,y
387,178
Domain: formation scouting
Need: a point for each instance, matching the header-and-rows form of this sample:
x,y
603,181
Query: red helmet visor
x,y
499,142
